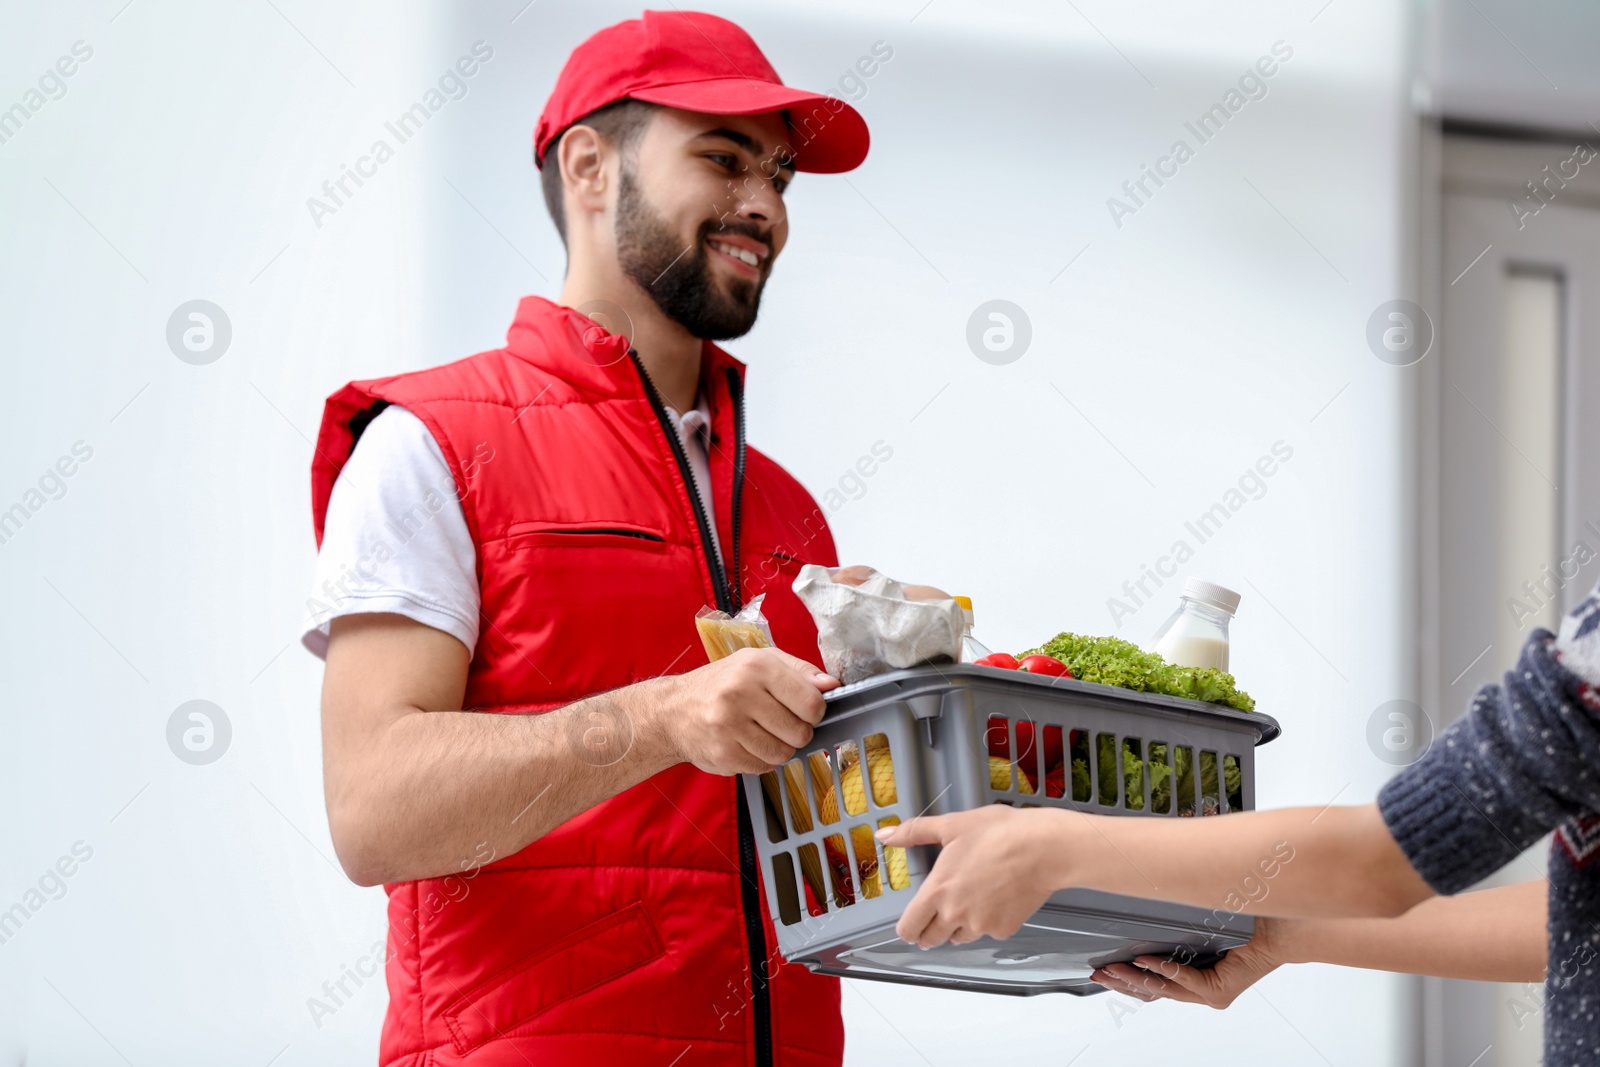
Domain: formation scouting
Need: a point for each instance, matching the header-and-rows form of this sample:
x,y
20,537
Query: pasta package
x,y
725,634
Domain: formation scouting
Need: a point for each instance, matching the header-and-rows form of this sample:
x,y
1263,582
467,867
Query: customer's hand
x,y
743,714
993,872
1154,978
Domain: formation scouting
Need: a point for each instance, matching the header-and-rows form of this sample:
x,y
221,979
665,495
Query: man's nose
x,y
757,199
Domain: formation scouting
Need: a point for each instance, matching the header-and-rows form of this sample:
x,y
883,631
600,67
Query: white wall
x,y
1225,315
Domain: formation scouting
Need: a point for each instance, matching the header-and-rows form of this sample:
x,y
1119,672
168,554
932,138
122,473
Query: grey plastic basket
x,y
937,723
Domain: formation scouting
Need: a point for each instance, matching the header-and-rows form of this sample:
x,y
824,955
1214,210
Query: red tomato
x,y
1037,664
997,659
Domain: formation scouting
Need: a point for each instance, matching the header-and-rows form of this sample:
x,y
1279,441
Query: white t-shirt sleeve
x,y
395,539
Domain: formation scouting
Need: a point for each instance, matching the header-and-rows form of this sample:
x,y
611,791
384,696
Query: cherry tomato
x,y
1038,664
997,659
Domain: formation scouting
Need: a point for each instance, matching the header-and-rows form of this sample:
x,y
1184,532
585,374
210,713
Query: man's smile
x,y
741,253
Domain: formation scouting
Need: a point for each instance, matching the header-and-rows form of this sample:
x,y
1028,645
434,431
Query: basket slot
x,y
852,790
1210,794
894,858
772,804
1055,763
1134,780
880,771
1082,780
1232,782
1027,761
811,868
1160,768
1183,780
823,785
1107,773
783,883
997,740
799,805
844,890
1013,748
865,850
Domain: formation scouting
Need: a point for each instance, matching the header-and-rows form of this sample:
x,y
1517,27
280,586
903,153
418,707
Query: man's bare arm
x,y
417,788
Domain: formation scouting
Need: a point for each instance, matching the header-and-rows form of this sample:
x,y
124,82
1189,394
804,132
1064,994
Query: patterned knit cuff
x,y
1449,842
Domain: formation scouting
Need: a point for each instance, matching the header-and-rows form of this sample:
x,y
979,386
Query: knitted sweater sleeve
x,y
1522,761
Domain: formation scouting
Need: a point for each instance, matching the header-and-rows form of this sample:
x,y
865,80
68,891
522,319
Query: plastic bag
x,y
867,627
725,634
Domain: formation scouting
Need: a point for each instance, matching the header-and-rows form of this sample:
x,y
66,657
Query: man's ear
x,y
583,155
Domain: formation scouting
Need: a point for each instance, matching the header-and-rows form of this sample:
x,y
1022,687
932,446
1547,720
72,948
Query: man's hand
x,y
744,714
1154,978
993,872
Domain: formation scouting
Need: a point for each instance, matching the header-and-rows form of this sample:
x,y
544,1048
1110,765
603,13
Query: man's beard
x,y
680,280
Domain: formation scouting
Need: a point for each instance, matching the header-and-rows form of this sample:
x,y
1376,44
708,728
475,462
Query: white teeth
x,y
737,253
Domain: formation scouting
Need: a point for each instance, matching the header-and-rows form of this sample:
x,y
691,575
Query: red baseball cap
x,y
699,62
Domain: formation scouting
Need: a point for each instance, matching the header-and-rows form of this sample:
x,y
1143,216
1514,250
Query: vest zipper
x,y
728,599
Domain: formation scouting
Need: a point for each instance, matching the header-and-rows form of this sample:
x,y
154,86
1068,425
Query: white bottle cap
x,y
1211,593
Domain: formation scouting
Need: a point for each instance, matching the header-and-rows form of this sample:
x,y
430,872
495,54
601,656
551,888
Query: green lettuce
x,y
1113,661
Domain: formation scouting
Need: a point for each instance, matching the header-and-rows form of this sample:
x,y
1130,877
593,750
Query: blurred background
x,y
1377,261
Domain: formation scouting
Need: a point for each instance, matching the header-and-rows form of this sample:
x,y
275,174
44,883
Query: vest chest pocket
x,y
594,604
521,536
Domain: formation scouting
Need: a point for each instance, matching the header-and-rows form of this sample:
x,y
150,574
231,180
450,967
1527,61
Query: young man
x,y
1523,761
531,530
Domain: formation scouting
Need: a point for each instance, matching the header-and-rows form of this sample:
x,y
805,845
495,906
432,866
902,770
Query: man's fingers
x,y
799,693
769,750
917,830
776,721
820,680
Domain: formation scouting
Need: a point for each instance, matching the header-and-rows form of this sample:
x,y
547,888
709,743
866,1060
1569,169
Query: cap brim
x,y
827,135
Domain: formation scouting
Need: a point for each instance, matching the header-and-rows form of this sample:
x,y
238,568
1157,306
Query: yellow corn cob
x,y
866,851
881,766
894,859
1000,776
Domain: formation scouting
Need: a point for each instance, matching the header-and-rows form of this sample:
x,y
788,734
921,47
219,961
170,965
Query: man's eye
x,y
722,159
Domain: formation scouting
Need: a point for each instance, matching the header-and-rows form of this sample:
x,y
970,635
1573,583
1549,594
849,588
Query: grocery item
x,y
868,623
1004,660
1069,746
1040,664
1113,661
1000,776
972,650
894,859
852,793
725,634
1196,635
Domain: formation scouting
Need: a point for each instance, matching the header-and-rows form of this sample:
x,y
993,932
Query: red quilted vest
x,y
626,935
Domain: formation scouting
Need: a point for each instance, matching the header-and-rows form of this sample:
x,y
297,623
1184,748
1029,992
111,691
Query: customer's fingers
x,y
1197,983
915,919
938,931
917,830
1136,983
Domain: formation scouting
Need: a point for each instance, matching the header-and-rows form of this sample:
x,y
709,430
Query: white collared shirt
x,y
431,575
